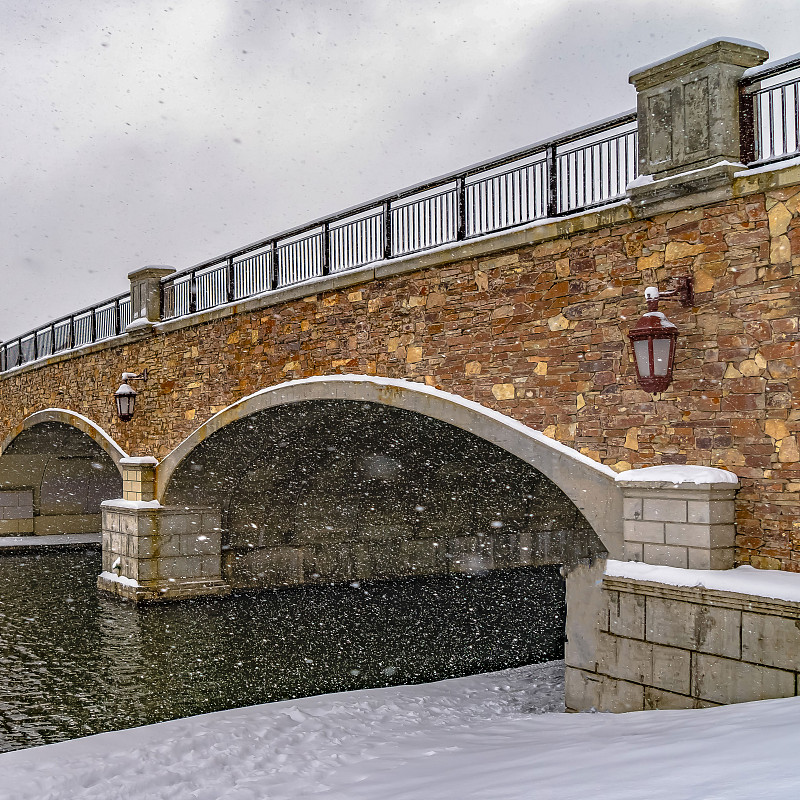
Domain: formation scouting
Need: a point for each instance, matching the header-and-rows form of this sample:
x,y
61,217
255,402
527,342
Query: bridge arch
x,y
64,466
70,418
590,486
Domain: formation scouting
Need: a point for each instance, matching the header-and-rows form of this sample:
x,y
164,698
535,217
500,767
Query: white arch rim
x,y
589,485
74,420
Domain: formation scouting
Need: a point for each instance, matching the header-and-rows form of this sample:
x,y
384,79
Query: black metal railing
x,y
582,169
579,170
770,112
93,324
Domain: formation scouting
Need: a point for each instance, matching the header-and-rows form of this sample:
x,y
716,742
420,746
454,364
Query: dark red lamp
x,y
654,337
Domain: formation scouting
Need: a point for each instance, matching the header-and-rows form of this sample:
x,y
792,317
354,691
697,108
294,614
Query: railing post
x,y
689,116
71,333
273,260
552,181
747,125
387,230
461,208
147,295
326,249
117,320
230,289
35,346
93,326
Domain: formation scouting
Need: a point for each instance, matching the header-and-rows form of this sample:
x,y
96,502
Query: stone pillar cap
x,y
151,271
738,52
678,474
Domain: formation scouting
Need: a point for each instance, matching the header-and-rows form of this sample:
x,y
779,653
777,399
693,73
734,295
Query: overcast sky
x,y
168,132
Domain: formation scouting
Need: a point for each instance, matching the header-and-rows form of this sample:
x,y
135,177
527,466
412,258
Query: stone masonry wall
x,y
663,646
537,332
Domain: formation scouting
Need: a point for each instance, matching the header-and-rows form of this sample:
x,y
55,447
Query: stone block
x,y
771,640
701,535
718,558
585,691
660,699
692,626
17,512
664,510
585,595
665,555
671,669
634,531
712,512
633,551
632,508
723,680
628,659
9,527
273,566
626,614
25,525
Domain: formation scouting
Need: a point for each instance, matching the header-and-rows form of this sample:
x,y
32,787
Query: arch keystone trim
x,y
589,485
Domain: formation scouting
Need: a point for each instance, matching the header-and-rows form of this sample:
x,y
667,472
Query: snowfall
x,y
499,736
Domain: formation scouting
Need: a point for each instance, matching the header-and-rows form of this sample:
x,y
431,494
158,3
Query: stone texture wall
x,y
537,332
665,646
16,512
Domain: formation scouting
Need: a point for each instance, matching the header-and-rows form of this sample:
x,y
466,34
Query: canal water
x,y
73,664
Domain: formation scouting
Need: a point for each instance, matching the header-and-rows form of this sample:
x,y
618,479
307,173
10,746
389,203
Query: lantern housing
x,y
125,396
654,338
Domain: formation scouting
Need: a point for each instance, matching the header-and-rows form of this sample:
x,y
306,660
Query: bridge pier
x,y
155,553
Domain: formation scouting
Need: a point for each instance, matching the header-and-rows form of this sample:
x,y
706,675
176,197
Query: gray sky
x,y
168,132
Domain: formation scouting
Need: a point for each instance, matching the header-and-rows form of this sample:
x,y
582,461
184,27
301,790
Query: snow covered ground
x,y
487,736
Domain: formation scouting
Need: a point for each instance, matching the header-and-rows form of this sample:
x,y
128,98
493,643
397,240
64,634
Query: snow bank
x,y
114,578
478,737
679,473
770,583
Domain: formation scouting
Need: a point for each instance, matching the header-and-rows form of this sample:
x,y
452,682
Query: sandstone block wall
x,y
665,646
538,332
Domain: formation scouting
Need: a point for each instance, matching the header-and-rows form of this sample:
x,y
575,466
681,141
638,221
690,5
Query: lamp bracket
x,y
682,290
133,376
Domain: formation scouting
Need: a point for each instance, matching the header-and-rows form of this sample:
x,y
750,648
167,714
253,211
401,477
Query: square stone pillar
x,y
688,119
146,295
153,553
679,516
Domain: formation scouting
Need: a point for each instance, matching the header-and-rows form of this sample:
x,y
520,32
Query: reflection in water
x,y
73,664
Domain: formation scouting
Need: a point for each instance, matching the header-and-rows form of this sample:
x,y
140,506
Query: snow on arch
x,y
74,420
589,485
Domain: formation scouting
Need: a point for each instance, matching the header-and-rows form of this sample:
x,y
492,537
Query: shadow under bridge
x,y
327,491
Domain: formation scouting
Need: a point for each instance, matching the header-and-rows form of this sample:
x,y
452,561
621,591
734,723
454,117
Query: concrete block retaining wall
x,y
663,646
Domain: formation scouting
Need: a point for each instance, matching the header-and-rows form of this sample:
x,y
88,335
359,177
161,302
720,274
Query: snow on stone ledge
x,y
114,578
678,473
770,583
132,504
139,460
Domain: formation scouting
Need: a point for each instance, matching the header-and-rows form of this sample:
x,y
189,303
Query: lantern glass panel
x,y
641,349
661,348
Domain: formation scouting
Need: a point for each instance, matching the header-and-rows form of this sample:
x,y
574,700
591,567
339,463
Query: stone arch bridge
x,y
460,403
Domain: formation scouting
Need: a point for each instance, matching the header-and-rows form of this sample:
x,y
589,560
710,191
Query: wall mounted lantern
x,y
125,396
654,337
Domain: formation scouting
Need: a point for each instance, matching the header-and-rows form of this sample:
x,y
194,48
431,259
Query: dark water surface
x,y
73,664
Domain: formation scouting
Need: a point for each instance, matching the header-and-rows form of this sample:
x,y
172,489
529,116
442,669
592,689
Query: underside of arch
x,y
58,472
77,421
589,485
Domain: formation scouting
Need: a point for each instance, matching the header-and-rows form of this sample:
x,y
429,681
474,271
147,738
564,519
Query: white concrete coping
x,y
771,583
677,474
139,461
